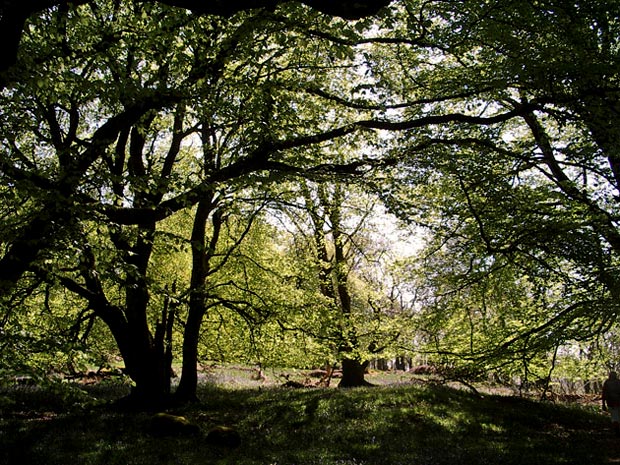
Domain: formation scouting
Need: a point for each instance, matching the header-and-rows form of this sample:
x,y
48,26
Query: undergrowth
x,y
404,424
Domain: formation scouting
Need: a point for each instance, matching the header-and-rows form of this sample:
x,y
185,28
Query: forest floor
x,y
403,420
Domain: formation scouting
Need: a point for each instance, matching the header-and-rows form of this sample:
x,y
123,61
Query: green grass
x,y
401,424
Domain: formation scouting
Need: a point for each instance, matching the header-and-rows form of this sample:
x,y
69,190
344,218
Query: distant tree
x,y
333,237
333,248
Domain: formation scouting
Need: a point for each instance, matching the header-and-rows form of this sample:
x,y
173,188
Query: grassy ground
x,y
412,424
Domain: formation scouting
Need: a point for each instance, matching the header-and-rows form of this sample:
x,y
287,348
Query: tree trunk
x,y
146,363
152,377
353,372
147,366
186,392
201,254
353,369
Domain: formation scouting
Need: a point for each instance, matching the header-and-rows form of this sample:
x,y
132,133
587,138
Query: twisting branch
x,y
260,160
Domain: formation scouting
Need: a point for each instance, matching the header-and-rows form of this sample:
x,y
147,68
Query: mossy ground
x,y
413,424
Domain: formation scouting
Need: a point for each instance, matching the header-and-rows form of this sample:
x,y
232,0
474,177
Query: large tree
x,y
536,194
97,137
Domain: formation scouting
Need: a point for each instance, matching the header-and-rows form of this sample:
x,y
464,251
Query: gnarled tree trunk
x,y
353,373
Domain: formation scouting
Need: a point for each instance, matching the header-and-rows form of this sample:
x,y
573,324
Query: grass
x,y
391,424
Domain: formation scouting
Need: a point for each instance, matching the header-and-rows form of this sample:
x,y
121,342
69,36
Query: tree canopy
x,y
14,15
145,144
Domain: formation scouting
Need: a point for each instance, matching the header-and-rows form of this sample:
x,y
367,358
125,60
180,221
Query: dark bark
x,y
145,363
353,373
188,385
147,368
13,17
201,253
42,232
145,356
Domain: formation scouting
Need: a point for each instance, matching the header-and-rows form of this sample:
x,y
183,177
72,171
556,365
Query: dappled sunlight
x,y
404,424
416,201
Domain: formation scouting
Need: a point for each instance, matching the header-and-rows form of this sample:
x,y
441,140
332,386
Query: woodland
x,y
309,184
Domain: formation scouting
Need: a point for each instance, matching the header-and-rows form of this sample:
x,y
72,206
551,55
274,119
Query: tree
x,y
334,243
87,177
263,155
333,261
533,194
107,98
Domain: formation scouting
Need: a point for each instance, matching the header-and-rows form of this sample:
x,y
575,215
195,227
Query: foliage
x,y
342,269
135,134
107,155
521,211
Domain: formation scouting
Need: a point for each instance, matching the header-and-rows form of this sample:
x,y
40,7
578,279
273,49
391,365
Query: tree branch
x,y
259,160
15,13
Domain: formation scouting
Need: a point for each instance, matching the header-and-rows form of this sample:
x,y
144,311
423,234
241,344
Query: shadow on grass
x,y
423,426
383,425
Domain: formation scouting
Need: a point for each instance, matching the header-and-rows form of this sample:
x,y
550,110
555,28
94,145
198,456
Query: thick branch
x,y
568,187
260,160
